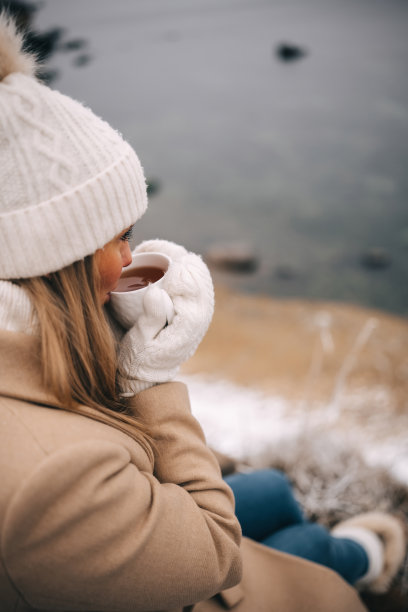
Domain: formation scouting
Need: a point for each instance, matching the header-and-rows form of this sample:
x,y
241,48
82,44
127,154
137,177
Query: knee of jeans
x,y
275,481
320,538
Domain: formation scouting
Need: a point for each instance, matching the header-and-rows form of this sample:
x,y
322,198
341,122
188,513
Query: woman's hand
x,y
152,350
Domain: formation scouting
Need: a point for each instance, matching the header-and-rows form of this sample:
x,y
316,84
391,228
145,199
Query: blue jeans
x,y
269,513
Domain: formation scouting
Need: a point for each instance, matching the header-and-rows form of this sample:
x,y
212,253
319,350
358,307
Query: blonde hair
x,y
78,353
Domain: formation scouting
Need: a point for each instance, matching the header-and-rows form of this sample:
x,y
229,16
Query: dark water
x,y
304,160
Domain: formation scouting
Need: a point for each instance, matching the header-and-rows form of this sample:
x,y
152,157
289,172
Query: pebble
x,y
234,257
82,60
376,258
285,272
288,52
153,186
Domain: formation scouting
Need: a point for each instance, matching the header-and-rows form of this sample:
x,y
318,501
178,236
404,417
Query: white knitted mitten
x,y
151,352
173,250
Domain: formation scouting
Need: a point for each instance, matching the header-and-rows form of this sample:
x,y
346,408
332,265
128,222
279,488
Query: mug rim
x,y
129,267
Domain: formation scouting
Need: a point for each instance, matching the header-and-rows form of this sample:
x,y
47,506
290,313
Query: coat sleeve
x,y
89,530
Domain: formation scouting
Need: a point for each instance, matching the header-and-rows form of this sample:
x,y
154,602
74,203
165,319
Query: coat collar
x,y
20,370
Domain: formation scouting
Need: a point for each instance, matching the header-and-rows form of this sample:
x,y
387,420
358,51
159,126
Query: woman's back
x,y
85,523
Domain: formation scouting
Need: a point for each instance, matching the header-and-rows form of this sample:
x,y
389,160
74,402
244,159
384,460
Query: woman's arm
x,y
89,530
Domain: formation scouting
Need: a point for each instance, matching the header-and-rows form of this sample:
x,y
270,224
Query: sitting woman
x,y
110,499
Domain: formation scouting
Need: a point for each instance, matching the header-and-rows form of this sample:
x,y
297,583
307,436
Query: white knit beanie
x,y
69,183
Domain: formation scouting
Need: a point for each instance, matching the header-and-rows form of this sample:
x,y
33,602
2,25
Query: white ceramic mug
x,y
127,306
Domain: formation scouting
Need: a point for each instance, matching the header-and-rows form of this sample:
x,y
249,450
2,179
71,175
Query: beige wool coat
x,y
89,522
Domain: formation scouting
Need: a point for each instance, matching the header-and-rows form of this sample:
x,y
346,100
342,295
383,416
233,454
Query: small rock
x,y
82,60
235,257
285,272
288,52
376,258
73,45
153,186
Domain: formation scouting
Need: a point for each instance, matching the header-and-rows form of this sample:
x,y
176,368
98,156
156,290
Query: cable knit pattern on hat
x,y
70,183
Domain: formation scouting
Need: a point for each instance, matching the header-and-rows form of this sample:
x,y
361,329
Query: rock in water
x,y
288,52
234,257
376,258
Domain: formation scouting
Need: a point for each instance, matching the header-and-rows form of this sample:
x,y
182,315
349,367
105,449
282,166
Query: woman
x,y
110,499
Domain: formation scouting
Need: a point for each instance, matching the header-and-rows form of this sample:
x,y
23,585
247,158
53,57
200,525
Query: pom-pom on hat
x,y
69,183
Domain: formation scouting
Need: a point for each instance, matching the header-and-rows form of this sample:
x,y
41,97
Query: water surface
x,y
306,161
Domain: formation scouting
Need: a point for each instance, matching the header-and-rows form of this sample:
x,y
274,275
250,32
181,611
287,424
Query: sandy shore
x,y
307,351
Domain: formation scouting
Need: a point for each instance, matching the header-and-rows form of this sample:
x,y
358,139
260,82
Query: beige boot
x,y
383,538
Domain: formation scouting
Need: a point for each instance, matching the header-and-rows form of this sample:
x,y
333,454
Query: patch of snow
x,y
244,423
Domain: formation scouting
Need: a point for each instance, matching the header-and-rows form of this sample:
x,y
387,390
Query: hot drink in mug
x,y
127,299
138,278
